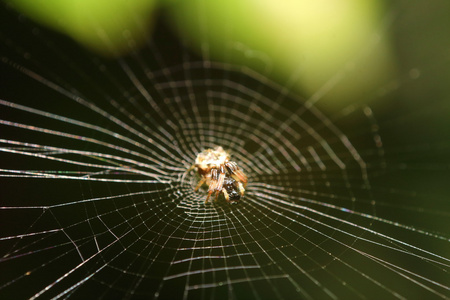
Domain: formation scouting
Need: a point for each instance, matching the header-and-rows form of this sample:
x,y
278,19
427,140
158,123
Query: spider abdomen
x,y
232,189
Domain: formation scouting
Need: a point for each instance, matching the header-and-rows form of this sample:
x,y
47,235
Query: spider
x,y
220,174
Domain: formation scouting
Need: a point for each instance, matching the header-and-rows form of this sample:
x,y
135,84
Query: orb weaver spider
x,y
220,174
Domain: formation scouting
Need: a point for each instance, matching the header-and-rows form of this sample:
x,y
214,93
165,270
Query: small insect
x,y
220,174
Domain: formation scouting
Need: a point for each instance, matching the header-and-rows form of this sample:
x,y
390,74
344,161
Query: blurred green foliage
x,y
109,27
335,50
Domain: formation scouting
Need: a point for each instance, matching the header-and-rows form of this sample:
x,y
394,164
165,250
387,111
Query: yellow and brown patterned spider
x,y
220,174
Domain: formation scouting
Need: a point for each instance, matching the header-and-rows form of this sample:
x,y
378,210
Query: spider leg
x,y
236,173
210,191
217,196
216,183
224,191
221,179
200,183
212,184
241,189
207,197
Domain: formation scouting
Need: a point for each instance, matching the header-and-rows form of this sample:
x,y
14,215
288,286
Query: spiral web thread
x,y
98,200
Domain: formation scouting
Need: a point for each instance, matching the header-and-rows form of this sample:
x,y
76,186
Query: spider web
x,y
97,200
